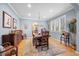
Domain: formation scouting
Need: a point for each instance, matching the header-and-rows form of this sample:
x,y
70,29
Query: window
x,y
58,24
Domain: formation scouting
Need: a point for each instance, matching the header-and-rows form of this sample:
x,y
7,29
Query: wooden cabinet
x,y
14,39
5,38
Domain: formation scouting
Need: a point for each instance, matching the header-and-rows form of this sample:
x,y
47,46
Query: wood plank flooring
x,y
22,47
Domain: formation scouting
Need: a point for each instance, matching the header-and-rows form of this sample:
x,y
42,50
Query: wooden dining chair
x,y
65,37
44,40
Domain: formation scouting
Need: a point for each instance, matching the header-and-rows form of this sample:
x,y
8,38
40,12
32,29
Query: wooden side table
x,y
65,37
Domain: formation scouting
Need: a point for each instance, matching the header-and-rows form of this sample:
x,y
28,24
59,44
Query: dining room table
x,y
39,40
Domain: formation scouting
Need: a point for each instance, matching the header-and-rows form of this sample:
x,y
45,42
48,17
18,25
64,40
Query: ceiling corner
x,y
13,10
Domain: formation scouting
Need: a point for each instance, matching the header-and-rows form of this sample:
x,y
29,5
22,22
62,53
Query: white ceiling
x,y
41,9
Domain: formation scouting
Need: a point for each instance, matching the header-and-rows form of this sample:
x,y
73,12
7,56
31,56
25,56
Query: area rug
x,y
52,51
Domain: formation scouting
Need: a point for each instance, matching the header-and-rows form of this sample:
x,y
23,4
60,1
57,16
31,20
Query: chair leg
x,y
61,40
68,42
65,41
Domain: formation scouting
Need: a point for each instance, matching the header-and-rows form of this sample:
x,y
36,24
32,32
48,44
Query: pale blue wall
x,y
69,15
6,8
29,23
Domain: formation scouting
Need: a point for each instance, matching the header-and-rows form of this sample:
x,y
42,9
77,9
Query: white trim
x,y
35,19
13,10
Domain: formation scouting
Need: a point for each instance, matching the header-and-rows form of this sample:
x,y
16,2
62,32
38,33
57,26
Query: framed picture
x,y
6,20
14,23
63,23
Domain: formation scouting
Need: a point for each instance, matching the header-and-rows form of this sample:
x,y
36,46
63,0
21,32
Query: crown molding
x,y
61,13
14,10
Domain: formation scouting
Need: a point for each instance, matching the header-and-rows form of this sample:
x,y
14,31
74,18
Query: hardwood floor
x,y
28,42
70,51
